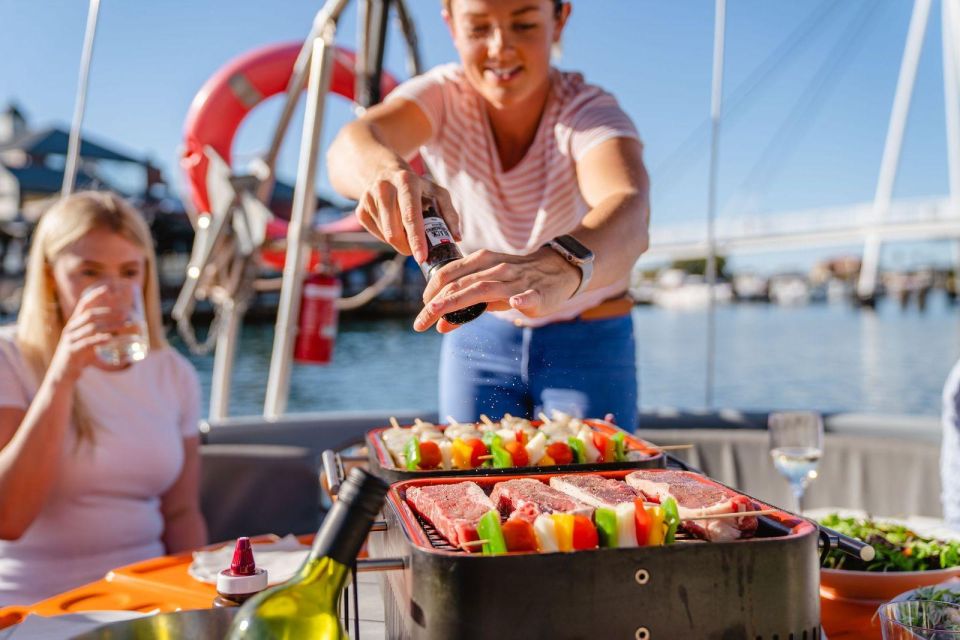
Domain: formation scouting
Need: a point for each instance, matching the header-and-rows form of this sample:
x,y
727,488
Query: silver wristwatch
x,y
576,254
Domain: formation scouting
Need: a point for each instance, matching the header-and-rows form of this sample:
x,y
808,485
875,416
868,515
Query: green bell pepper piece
x,y
671,516
606,521
579,451
501,457
490,438
411,452
620,447
489,529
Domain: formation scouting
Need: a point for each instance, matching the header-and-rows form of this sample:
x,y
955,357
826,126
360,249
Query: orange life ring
x,y
225,100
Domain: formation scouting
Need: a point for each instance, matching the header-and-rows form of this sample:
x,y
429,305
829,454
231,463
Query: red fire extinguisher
x,y
317,329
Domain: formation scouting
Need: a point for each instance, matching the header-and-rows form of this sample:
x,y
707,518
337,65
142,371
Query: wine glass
x,y
796,444
131,343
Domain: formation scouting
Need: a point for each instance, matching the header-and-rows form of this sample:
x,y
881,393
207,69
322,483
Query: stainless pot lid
x,y
202,623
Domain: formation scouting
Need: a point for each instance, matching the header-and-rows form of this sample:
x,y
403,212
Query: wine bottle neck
x,y
342,534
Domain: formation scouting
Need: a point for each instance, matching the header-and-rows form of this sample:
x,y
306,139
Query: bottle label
x,y
437,232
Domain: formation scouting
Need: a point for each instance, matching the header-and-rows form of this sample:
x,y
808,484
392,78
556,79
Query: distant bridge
x,y
906,220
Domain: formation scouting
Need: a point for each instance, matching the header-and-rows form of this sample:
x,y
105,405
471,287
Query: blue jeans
x,y
583,367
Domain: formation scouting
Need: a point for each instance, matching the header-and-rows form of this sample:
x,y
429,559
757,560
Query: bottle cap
x,y
243,576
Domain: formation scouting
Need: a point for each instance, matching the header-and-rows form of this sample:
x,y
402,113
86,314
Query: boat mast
x,y
951,93
716,101
73,147
870,264
318,85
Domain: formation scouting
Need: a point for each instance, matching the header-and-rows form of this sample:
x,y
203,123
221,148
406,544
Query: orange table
x,y
163,584
160,583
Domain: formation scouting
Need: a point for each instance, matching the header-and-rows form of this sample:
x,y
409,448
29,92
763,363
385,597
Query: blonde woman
x,y
540,175
99,464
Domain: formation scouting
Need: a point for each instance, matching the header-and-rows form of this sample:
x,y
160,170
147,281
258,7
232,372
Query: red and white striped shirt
x,y
518,210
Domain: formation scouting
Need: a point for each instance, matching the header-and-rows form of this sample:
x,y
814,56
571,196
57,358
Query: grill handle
x,y
380,564
851,546
332,471
829,540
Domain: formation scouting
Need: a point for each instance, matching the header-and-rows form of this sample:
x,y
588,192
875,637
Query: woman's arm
x,y
183,524
31,443
366,163
614,182
31,440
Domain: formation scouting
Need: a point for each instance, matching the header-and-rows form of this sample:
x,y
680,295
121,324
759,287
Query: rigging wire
x,y
669,170
790,133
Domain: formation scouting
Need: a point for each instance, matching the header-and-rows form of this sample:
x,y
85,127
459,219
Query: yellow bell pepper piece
x,y
461,454
657,526
563,524
546,461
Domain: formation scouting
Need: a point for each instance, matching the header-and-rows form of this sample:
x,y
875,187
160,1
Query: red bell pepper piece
x,y
560,452
430,457
601,442
643,522
478,449
519,535
584,533
519,454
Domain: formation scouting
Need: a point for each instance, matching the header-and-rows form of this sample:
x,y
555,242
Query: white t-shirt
x,y
518,210
104,509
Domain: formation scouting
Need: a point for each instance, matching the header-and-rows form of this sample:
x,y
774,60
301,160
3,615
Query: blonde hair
x,y
40,321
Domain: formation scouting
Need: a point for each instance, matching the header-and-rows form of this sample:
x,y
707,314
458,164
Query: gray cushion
x,y
253,489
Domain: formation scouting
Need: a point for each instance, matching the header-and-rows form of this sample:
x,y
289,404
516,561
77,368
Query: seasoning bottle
x,y
242,580
443,250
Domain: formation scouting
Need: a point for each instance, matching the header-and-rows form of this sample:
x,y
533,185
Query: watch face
x,y
572,245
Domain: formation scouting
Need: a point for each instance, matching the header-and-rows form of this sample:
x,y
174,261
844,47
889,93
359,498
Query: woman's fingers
x,y
448,212
388,212
484,291
366,215
527,303
411,216
474,263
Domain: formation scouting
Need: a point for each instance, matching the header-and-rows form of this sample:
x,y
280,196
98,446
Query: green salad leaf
x,y
898,548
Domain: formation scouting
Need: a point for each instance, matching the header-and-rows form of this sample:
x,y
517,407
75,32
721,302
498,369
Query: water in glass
x,y
796,445
131,343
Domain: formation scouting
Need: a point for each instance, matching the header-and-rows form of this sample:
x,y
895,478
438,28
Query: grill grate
x,y
441,543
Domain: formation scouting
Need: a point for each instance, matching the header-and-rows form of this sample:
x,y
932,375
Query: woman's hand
x,y
390,209
536,285
96,319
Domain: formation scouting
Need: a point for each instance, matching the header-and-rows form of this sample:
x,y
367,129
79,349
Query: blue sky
x,y
152,57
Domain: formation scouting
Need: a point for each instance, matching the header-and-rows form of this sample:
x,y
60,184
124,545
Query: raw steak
x,y
453,509
696,497
593,490
526,498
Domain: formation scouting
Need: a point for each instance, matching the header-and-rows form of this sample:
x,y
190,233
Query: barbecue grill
x,y
382,464
763,588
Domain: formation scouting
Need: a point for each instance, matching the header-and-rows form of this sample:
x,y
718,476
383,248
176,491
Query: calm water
x,y
825,357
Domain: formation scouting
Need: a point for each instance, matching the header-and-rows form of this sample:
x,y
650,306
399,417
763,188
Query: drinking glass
x,y
131,343
796,444
919,619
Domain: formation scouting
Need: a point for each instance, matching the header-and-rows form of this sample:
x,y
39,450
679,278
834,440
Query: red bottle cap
x,y
243,564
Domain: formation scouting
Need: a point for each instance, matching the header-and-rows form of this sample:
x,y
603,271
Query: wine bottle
x,y
441,249
307,605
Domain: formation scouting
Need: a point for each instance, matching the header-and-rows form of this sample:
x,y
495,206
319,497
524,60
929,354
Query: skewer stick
x,y
543,418
674,447
451,422
394,423
484,457
485,419
736,514
474,543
